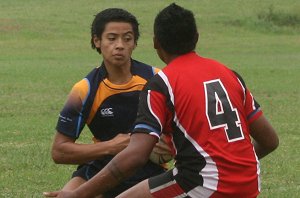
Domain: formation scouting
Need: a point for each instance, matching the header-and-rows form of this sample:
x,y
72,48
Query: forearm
x,y
121,166
66,151
115,172
73,153
259,150
265,139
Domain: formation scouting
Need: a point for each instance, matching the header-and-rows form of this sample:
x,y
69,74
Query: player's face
x,y
116,43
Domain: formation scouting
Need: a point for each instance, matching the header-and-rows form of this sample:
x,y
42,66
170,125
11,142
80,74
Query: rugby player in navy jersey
x,y
217,128
106,100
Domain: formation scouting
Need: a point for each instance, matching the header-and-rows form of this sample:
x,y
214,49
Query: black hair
x,y
176,30
112,15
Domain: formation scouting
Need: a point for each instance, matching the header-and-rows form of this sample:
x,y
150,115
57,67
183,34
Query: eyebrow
x,y
129,32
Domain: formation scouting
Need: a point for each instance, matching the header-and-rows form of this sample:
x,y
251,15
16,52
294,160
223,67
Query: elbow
x,y
274,145
56,160
265,148
56,157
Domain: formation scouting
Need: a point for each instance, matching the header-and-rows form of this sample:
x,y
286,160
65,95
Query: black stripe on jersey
x,y
157,84
256,104
240,78
191,162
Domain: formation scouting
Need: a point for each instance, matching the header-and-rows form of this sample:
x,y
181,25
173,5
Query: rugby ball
x,y
161,153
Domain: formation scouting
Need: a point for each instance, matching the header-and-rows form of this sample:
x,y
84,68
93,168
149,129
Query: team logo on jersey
x,y
107,112
64,118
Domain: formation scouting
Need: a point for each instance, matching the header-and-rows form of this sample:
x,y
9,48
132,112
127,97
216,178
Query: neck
x,y
118,74
165,56
168,58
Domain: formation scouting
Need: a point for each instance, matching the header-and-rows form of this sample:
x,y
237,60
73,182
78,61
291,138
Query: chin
x,y
120,63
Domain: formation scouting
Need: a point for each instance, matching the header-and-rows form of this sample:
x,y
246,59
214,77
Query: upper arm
x,y
263,133
154,110
140,147
70,121
61,138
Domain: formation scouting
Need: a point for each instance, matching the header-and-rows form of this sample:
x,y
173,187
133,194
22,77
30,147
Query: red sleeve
x,y
252,108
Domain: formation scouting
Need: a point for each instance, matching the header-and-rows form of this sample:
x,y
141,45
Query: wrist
x,y
81,193
106,148
110,147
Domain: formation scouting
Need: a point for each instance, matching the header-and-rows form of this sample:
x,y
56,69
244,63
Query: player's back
x,y
212,136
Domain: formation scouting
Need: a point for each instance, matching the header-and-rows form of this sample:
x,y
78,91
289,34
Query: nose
x,y
119,44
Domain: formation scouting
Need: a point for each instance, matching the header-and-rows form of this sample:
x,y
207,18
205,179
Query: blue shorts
x,y
87,171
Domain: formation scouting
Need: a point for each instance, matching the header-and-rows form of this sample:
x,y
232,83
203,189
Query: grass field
x,y
44,49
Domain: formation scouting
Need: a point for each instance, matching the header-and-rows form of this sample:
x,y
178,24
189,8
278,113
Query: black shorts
x,y
87,171
172,184
164,185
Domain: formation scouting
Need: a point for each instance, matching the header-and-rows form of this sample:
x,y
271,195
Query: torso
x,y
208,155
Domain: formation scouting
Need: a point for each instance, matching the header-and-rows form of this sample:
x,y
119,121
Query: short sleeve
x,y
252,107
70,121
152,112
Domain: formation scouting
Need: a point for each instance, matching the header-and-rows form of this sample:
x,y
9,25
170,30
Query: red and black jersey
x,y
206,109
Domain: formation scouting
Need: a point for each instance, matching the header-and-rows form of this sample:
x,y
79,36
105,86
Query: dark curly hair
x,y
112,15
176,30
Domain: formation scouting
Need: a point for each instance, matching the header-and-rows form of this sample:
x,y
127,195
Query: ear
x,y
97,41
156,44
160,52
196,37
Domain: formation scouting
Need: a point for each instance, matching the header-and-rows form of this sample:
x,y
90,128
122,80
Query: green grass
x,y
45,49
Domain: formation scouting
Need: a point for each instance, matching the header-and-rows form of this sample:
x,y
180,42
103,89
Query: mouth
x,y
119,54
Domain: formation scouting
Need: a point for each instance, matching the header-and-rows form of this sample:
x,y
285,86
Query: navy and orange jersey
x,y
108,109
206,109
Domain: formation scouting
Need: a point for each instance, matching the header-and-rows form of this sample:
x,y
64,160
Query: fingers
x,y
163,146
162,149
51,194
122,136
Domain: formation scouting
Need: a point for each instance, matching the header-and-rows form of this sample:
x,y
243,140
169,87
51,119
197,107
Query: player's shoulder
x,y
157,83
144,70
224,68
89,84
239,77
96,74
94,77
82,84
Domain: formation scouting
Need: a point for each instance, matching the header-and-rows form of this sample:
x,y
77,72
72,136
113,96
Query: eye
x,y
128,38
111,38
